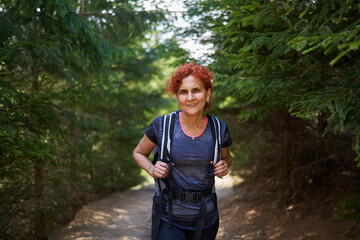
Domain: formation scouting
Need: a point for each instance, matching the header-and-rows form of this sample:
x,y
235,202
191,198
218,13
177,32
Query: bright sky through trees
x,y
177,7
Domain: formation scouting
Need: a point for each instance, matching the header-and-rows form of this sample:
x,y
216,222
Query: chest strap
x,y
192,196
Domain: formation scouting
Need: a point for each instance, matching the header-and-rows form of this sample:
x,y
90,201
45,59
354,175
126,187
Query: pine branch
x,y
277,15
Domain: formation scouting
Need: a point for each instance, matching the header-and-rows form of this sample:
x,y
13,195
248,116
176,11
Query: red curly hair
x,y
201,72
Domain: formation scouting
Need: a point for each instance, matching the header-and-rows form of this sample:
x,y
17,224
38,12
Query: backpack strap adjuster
x,y
192,196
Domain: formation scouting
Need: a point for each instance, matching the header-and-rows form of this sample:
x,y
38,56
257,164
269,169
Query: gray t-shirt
x,y
191,157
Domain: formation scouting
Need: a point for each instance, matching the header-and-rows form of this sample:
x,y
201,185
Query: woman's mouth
x,y
192,105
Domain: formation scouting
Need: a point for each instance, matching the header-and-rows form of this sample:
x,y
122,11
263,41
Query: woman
x,y
192,155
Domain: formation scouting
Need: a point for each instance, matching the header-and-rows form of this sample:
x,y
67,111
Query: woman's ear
x,y
208,95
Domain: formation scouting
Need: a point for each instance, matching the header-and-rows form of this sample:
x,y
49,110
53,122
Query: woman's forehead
x,y
191,82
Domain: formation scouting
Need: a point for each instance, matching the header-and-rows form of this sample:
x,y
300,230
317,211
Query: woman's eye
x,y
183,92
196,90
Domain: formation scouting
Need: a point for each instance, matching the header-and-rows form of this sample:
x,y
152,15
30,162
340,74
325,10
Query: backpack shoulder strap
x,y
215,131
168,123
167,129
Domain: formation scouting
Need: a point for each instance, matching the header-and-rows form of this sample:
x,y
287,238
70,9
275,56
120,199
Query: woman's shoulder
x,y
157,122
157,119
224,130
216,118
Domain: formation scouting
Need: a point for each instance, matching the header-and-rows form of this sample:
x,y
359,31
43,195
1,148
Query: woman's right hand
x,y
160,170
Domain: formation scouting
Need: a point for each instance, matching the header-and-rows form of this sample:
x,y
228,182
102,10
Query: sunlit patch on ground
x,y
124,215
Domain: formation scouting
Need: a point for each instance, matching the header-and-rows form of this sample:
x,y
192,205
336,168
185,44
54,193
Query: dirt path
x,y
125,215
250,212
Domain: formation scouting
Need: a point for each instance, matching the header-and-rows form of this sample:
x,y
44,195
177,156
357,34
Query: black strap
x,y
200,220
212,127
215,134
192,196
158,198
219,138
157,217
164,138
172,126
170,175
166,157
170,194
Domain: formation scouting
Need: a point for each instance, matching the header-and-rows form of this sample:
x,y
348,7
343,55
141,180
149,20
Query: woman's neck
x,y
193,121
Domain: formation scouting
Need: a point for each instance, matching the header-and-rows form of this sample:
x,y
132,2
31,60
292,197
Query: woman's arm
x,y
221,169
141,156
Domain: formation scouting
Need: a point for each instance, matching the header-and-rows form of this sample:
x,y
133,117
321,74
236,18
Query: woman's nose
x,y
190,96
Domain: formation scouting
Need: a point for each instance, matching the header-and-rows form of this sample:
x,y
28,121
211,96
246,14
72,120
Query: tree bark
x,y
39,217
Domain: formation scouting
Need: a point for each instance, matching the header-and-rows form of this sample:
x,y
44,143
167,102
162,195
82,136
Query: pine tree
x,y
74,100
289,71
300,55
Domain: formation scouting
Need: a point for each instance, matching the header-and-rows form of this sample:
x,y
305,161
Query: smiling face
x,y
192,95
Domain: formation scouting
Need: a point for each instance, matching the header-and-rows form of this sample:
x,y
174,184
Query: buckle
x,y
188,196
196,197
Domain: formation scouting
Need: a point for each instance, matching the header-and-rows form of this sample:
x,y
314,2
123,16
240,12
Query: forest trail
x,y
126,215
247,212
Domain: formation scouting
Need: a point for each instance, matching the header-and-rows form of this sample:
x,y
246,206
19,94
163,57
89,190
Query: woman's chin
x,y
192,111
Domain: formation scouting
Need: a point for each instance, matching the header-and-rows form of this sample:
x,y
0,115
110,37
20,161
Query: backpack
x,y
166,186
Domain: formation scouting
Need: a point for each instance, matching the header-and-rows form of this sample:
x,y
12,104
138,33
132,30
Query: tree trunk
x,y
321,125
39,218
283,172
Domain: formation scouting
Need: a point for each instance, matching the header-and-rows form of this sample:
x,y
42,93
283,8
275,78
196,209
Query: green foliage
x,y
74,101
299,55
350,207
289,72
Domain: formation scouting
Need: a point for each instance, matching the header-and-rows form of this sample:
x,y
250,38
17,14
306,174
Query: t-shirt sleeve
x,y
152,131
225,138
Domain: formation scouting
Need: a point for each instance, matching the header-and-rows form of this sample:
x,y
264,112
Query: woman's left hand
x,y
221,169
